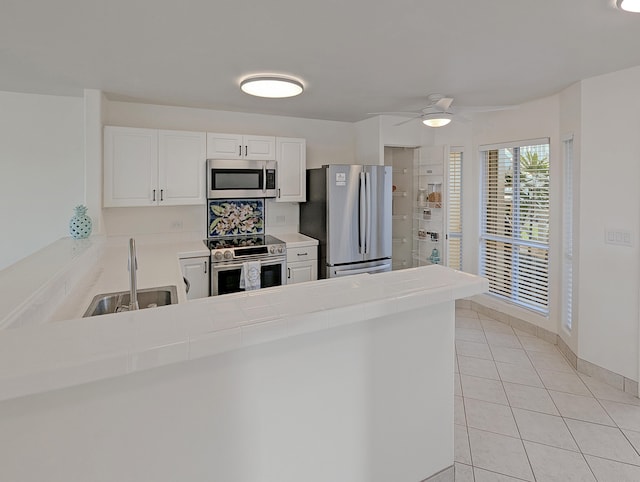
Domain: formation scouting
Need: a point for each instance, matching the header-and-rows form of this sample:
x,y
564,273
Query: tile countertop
x,y
158,265
36,359
297,240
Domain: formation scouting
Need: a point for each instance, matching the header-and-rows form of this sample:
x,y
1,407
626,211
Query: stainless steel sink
x,y
106,303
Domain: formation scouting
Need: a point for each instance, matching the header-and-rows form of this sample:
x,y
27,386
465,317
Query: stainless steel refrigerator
x,y
348,210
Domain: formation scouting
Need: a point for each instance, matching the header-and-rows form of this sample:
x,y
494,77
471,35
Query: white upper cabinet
x,y
148,167
130,166
236,146
181,167
291,155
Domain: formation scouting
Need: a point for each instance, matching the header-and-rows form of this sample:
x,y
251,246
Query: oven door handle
x,y
224,267
263,262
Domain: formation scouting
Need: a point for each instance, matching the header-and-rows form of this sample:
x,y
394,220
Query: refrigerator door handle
x,y
367,242
362,216
374,269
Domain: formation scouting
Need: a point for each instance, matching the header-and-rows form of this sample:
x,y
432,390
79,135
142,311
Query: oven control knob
x,y
228,255
280,249
272,249
218,256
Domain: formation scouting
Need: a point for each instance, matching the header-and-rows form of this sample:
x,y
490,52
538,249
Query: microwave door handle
x,y
264,178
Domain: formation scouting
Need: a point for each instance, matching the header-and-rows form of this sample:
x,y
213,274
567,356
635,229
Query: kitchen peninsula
x,y
347,379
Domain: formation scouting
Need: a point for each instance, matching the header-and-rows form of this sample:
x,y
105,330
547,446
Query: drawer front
x,y
302,254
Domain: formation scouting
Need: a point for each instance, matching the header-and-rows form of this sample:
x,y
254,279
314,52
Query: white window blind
x,y
454,210
514,241
567,236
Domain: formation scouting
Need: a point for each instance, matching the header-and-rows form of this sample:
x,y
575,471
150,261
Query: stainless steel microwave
x,y
238,178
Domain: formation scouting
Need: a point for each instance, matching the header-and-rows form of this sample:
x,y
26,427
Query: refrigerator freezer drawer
x,y
359,268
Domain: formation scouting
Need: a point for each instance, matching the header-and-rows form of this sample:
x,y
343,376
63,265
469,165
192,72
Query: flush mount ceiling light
x,y
438,119
629,5
272,86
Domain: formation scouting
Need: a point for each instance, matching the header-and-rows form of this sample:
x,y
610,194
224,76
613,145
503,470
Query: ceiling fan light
x,y
629,5
271,86
437,120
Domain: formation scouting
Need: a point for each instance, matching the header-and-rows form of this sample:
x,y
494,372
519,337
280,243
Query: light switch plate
x,y
618,237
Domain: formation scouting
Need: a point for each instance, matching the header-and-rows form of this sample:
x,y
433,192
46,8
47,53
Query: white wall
x,y
610,199
328,142
369,148
41,170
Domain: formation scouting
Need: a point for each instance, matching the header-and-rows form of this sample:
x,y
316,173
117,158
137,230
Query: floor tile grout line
x,y
611,460
501,473
464,409
627,438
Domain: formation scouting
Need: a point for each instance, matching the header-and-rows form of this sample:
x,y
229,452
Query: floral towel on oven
x,y
250,275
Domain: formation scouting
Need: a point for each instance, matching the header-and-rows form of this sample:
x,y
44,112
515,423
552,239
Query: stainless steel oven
x,y
225,275
228,255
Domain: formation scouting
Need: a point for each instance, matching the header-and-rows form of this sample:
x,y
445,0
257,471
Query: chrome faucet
x,y
133,267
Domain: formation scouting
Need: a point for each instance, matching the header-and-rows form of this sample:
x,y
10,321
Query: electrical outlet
x,y
176,225
281,219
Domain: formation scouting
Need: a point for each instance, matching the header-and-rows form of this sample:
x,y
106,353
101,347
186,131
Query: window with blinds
x,y
454,210
514,241
567,236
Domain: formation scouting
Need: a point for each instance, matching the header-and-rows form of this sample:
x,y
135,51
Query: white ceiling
x,y
354,56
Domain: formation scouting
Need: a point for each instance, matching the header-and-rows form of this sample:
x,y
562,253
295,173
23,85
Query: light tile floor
x,y
523,413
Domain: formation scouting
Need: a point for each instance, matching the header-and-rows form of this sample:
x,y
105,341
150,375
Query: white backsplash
x,y
279,218
155,220
282,217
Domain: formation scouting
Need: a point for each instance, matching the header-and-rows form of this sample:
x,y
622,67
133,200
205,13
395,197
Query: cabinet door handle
x,y
303,254
154,195
246,151
239,151
205,267
161,194
278,193
288,273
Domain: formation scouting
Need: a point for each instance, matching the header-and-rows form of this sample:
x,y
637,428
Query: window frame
x,y
525,280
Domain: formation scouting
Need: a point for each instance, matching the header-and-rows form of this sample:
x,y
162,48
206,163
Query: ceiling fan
x,y
439,111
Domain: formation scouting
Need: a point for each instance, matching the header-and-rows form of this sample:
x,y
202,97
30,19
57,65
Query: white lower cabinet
x,y
196,273
302,264
302,271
